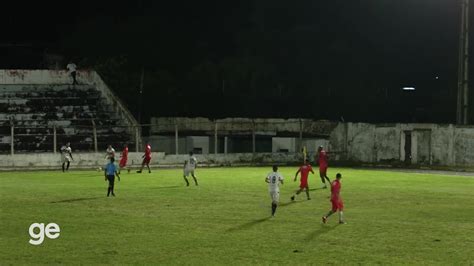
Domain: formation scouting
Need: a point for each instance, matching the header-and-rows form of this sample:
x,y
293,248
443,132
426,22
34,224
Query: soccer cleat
x,y
293,198
139,171
149,172
309,198
325,219
342,222
323,187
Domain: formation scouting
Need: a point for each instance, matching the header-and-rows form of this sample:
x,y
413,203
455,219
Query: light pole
x,y
462,111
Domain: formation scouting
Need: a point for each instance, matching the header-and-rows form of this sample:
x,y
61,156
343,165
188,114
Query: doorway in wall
x,y
407,147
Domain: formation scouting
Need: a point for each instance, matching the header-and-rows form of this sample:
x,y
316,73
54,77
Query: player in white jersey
x,y
109,153
189,166
66,156
274,179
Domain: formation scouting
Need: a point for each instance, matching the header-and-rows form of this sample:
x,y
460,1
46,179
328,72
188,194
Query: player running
x,y
322,160
109,153
274,179
146,158
110,172
336,200
124,159
189,166
66,156
305,169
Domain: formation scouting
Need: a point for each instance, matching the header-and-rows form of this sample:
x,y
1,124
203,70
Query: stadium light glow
x,y
408,88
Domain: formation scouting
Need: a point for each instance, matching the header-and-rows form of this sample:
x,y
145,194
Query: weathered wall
x,y
95,160
431,144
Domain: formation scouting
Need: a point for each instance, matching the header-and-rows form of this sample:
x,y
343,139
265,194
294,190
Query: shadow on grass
x,y
248,225
320,188
323,229
166,187
290,203
74,200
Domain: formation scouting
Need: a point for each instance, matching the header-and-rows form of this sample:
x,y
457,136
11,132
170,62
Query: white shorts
x,y
66,158
188,171
275,195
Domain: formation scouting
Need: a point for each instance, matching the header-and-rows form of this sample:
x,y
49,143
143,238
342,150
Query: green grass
x,y
392,218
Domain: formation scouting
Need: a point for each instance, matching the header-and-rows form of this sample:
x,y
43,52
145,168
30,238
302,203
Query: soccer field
x,y
392,218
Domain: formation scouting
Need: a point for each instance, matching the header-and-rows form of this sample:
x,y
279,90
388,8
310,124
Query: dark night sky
x,y
320,59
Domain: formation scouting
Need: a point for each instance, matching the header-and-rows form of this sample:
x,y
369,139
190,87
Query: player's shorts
x,y
275,195
123,162
303,183
337,204
66,158
146,160
323,169
111,179
188,171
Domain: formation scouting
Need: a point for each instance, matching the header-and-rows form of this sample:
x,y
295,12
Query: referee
x,y
109,173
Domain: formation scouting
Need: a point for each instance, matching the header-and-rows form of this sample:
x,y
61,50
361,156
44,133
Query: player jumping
x,y
124,158
336,200
189,166
146,158
110,172
274,179
66,155
322,159
304,170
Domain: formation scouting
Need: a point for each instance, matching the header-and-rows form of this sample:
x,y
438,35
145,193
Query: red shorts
x,y
146,160
323,169
123,162
337,204
303,183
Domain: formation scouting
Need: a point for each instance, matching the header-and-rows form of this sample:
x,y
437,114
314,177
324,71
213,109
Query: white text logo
x,y
51,230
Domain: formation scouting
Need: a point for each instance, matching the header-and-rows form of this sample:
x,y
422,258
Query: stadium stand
x,y
36,111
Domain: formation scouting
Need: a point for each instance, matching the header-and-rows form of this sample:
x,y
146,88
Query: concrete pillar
x,y
414,147
215,137
55,144
94,132
225,144
12,141
137,138
253,139
176,139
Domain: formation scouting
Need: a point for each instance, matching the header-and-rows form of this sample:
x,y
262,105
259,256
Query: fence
x,y
88,137
171,136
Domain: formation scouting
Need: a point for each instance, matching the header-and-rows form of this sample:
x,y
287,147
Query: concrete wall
x,y
95,160
431,144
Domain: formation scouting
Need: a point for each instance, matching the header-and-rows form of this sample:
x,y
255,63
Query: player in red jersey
x,y
322,160
336,200
146,158
124,158
304,170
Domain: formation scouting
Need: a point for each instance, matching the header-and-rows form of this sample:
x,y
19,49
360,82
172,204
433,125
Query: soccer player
x,y
189,166
304,170
66,155
124,158
109,153
146,158
274,179
336,200
322,159
110,172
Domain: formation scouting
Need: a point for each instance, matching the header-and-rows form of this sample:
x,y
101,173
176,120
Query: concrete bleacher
x,y
37,111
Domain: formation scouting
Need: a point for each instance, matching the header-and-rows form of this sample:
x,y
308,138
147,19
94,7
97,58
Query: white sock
x,y
341,216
